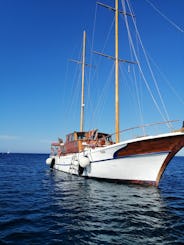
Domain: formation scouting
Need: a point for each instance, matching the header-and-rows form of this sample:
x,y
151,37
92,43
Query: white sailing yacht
x,y
94,154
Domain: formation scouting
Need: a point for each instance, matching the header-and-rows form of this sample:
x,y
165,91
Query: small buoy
x,y
84,161
49,160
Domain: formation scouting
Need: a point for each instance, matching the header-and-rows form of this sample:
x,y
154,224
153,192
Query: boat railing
x,y
147,129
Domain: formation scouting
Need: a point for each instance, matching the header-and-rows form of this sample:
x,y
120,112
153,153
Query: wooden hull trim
x,y
172,143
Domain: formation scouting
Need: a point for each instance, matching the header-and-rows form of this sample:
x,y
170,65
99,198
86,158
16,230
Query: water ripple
x,y
39,206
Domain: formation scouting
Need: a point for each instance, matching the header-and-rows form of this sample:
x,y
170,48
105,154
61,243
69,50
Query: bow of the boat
x,y
140,160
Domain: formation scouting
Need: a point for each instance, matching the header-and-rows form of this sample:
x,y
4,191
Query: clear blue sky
x,y
37,37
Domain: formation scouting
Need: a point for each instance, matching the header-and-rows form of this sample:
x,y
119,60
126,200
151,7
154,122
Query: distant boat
x,y
94,154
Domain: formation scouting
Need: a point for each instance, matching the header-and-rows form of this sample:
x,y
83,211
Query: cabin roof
x,y
85,132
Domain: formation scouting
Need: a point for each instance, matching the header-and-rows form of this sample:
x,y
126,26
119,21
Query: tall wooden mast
x,y
116,73
117,60
82,93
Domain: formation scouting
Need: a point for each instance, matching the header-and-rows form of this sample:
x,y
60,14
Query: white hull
x,y
140,168
103,163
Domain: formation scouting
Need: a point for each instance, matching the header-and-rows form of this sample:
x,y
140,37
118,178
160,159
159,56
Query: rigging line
x,y
149,66
74,95
101,100
91,59
75,86
130,80
64,87
128,83
108,34
151,71
88,84
139,90
67,108
88,103
135,80
92,42
107,38
106,90
100,61
139,65
79,58
168,82
165,17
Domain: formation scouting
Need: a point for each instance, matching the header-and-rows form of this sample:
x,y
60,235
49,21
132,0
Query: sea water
x,y
41,206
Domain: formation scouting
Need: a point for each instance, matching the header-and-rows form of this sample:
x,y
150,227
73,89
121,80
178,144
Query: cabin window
x,y
70,138
80,136
109,138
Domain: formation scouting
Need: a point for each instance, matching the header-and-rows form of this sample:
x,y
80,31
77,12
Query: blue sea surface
x,y
41,206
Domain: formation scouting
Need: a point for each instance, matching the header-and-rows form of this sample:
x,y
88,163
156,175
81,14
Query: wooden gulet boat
x,y
94,154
